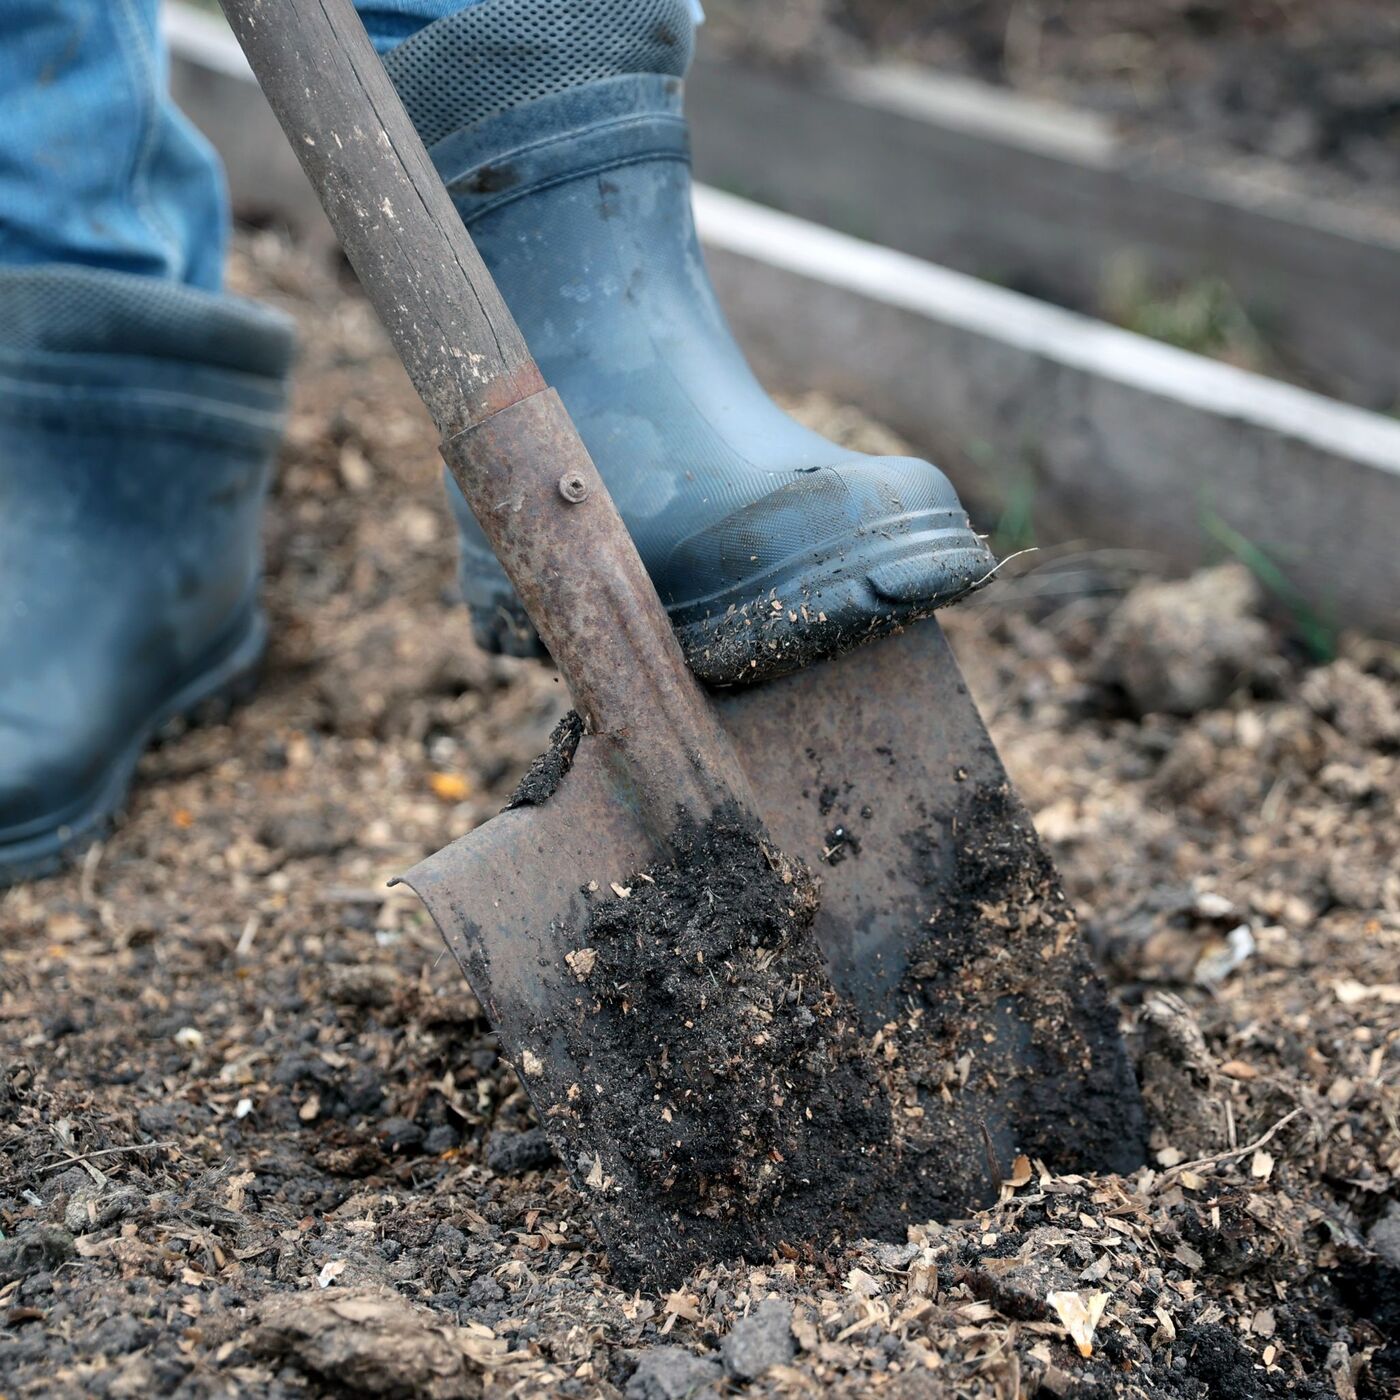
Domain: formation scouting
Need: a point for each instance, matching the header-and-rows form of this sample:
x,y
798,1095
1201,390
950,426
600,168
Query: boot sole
x,y
208,699
808,608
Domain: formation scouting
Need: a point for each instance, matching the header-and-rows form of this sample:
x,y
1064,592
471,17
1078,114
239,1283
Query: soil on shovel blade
x,y
719,1097
739,1095
989,1025
257,1138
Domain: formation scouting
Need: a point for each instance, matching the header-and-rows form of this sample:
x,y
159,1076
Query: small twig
x,y
1002,563
87,883
244,946
1237,1152
107,1152
993,1162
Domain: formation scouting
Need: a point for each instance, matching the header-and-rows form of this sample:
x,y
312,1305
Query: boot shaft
x,y
138,420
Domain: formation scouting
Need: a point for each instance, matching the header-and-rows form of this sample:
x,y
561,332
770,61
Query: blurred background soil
x,y
256,1137
1313,83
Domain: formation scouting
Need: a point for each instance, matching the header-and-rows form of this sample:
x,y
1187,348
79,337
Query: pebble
x,y
91,1207
1186,645
670,1373
399,1135
1384,1237
760,1341
511,1154
32,1250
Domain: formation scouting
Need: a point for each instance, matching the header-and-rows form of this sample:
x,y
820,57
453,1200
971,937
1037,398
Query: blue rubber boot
x,y
559,132
138,419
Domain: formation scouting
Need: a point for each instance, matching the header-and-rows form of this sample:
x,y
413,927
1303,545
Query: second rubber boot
x,y
559,132
138,419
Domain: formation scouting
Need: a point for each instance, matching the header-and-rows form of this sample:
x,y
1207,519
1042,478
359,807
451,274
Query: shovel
x,y
733,1056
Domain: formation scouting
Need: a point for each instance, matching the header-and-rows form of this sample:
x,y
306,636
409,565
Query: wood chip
x,y
581,962
1080,1316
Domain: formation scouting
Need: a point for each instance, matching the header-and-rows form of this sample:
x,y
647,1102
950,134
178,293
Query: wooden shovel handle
x,y
506,437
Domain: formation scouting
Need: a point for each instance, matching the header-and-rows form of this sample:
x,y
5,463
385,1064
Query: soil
x,y
256,1137
743,1108
1005,1011
542,778
1310,85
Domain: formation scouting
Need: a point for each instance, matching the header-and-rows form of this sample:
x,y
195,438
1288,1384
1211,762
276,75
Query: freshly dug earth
x,y
718,1096
256,1137
743,1108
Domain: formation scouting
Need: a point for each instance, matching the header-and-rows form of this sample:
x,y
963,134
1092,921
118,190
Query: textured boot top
x,y
64,309
503,53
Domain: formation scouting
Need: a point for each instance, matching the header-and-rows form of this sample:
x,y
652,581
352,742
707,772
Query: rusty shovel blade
x,y
941,921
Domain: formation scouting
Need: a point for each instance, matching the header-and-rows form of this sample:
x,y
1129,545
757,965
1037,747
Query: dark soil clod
x,y
544,775
735,1100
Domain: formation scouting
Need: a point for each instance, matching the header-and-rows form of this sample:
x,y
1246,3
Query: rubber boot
x,y
559,132
138,419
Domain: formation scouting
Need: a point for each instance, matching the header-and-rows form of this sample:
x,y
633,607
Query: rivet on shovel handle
x,y
573,487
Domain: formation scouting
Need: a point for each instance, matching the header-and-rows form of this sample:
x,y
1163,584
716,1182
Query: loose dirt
x,y
256,1137
742,1108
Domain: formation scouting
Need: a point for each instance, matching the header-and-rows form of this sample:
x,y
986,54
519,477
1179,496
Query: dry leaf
x,y
1238,1069
1261,1166
330,1271
1020,1171
686,1305
1080,1316
1222,956
1184,1254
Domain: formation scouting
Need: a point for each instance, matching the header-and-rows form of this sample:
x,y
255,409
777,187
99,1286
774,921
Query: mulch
x,y
256,1136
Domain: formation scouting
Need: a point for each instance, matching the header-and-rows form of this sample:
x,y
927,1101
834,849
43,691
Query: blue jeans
x,y
97,167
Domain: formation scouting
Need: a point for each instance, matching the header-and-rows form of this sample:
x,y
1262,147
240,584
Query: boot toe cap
x,y
894,521
832,558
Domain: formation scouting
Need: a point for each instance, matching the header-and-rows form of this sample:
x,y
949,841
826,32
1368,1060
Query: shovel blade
x,y
941,921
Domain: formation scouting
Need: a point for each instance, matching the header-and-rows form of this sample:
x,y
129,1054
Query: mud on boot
x,y
560,135
138,419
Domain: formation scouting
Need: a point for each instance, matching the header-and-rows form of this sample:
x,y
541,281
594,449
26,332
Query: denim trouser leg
x,y
390,22
98,168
